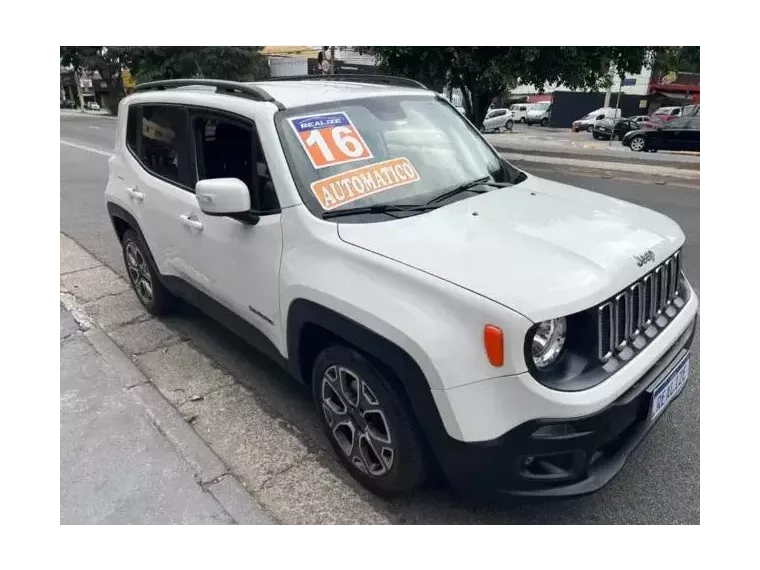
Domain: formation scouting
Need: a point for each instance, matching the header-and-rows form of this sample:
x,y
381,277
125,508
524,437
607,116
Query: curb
x,y
211,472
609,166
88,115
592,156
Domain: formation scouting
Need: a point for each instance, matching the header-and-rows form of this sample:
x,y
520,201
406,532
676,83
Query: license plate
x,y
670,388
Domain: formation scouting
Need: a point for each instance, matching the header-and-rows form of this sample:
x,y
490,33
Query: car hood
x,y
630,134
541,248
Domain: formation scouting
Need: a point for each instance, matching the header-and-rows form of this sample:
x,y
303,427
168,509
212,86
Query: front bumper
x,y
569,462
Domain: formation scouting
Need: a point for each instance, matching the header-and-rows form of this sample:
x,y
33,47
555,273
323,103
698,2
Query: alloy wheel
x,y
637,144
357,422
139,273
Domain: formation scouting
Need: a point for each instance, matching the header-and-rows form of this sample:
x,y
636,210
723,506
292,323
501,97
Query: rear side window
x,y
156,134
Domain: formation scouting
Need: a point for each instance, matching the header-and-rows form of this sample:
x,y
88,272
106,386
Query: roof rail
x,y
358,78
222,86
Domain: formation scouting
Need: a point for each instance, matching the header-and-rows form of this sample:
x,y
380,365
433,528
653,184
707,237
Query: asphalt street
x,y
660,483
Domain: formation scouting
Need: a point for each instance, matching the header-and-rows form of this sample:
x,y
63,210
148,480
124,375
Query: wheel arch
x,y
311,327
122,221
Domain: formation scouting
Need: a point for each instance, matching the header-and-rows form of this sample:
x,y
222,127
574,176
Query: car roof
x,y
313,92
287,94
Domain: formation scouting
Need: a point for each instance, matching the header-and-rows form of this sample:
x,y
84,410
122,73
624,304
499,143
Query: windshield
x,y
540,107
383,151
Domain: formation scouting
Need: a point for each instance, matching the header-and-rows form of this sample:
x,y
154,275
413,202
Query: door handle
x,y
191,223
135,193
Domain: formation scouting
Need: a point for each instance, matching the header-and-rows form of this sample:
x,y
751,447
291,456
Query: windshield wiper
x,y
379,209
468,187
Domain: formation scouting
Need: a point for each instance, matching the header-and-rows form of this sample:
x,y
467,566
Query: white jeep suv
x,y
447,310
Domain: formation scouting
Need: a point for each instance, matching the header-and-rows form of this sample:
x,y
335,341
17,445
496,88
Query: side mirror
x,y
225,197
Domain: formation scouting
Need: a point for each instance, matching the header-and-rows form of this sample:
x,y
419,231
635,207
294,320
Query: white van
x,y
519,110
586,123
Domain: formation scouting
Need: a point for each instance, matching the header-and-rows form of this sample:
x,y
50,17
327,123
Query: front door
x,y
235,262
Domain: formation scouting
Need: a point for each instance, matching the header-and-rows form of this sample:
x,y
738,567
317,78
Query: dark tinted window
x,y
226,148
161,141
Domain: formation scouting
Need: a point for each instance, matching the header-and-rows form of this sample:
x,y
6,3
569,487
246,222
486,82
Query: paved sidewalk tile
x,y
116,468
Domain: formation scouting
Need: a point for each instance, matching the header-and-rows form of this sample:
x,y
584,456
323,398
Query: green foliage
x,y
482,73
679,58
235,63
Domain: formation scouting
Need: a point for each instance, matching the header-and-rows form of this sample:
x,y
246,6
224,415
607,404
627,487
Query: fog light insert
x,y
554,430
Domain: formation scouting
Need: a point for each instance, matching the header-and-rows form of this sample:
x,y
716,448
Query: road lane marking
x,y
87,148
94,127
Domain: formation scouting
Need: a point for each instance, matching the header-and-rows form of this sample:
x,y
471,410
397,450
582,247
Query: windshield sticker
x,y
343,188
330,139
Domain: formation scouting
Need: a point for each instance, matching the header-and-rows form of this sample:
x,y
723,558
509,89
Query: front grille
x,y
640,311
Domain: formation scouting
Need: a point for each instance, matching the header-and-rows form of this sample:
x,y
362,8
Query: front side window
x,y
227,148
384,151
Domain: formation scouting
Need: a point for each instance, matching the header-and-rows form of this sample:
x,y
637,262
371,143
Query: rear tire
x,y
367,423
143,275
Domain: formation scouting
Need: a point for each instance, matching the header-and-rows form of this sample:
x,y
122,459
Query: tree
x,y
236,63
108,61
678,58
481,73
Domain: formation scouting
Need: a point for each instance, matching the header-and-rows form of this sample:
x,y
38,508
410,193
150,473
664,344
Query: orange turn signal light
x,y
493,340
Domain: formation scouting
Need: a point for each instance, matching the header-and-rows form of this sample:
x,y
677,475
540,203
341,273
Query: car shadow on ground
x,y
282,397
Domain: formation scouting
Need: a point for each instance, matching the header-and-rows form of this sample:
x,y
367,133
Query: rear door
x,y
161,190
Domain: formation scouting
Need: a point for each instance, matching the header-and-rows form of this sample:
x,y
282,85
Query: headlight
x,y
548,342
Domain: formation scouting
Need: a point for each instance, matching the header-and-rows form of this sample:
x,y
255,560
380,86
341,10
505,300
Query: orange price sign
x,y
330,139
346,187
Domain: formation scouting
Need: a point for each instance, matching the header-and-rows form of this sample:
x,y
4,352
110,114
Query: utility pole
x,y
614,117
79,90
609,87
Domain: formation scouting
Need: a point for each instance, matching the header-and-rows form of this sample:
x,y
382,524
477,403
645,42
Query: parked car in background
x,y
667,113
679,134
498,119
615,127
539,113
640,118
519,111
691,111
68,104
586,123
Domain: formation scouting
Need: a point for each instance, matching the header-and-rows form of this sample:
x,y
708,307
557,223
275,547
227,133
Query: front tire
x,y
590,128
638,144
367,423
544,122
143,275
510,124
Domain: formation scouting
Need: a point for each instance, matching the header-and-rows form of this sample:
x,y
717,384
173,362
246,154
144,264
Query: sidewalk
x,y
118,465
